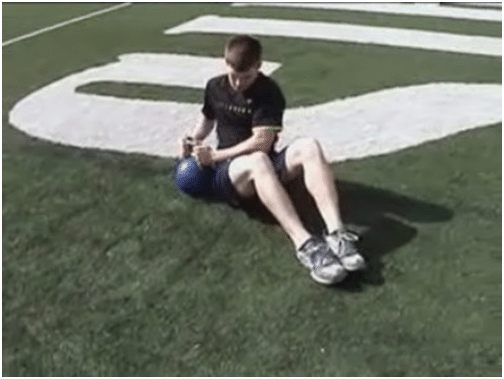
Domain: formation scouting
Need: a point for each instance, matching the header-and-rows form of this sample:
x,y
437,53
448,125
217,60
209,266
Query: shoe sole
x,y
360,266
330,281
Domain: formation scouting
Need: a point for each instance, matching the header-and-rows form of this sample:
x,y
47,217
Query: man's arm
x,y
202,129
198,134
262,139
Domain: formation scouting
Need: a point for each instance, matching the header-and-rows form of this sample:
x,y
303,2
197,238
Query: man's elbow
x,y
264,146
264,139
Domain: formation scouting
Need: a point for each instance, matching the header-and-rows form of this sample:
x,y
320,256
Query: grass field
x,y
109,271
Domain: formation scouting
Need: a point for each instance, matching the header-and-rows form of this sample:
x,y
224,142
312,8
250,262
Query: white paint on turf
x,y
392,119
57,112
370,124
408,9
61,24
409,38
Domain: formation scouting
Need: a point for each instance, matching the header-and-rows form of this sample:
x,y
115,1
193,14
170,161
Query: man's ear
x,y
258,64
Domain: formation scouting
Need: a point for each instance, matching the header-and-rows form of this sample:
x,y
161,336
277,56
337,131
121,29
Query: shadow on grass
x,y
381,218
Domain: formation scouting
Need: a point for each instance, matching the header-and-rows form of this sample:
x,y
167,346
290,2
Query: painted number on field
x,y
375,123
370,124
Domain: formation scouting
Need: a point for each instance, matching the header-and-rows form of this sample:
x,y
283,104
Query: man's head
x,y
243,61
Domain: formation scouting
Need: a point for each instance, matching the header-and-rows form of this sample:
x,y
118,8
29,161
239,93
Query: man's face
x,y
242,80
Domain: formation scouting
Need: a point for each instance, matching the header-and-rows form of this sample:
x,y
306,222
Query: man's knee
x,y
251,162
260,163
246,169
307,147
304,150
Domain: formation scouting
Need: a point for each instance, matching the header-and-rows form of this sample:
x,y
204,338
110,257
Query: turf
x,y
109,271
23,18
438,24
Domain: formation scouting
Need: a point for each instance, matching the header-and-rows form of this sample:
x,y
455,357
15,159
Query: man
x,y
247,108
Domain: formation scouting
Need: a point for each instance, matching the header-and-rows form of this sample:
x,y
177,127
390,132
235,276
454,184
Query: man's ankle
x,y
335,231
301,242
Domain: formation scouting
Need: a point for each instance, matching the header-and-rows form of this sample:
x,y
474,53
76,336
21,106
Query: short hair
x,y
242,52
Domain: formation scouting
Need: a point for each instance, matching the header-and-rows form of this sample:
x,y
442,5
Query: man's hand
x,y
186,146
205,155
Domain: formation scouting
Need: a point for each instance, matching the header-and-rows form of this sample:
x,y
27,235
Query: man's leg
x,y
254,173
305,157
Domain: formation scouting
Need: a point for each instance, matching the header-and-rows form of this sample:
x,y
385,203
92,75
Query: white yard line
x,y
425,9
408,38
61,24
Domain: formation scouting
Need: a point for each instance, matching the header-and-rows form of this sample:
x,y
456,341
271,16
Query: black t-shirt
x,y
236,113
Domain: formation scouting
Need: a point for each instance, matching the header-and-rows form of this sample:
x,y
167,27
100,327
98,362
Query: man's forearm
x,y
203,129
248,146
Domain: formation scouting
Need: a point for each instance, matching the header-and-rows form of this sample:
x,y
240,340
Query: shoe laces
x,y
319,253
346,243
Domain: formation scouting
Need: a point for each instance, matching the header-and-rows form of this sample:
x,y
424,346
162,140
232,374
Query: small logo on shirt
x,y
235,109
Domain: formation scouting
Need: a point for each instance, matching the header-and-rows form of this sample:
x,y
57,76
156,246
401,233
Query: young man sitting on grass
x,y
246,107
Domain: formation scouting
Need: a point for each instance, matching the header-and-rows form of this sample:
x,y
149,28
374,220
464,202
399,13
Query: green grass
x,y
438,24
109,271
23,18
143,91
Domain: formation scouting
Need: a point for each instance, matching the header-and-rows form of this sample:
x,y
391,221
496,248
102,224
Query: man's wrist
x,y
218,156
193,141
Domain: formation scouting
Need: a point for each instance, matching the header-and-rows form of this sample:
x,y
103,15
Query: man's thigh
x,y
241,170
240,175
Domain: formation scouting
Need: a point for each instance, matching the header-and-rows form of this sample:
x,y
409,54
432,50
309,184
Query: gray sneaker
x,y
343,245
325,267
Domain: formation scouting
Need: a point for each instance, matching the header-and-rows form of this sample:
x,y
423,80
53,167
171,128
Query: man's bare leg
x,y
254,173
305,157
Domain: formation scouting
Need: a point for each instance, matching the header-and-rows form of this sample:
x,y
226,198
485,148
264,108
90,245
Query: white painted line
x,y
186,71
424,9
96,120
72,21
409,38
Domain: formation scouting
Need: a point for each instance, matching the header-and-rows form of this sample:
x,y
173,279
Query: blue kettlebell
x,y
191,178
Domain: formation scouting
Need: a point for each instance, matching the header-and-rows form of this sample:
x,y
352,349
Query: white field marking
x,y
345,33
394,119
370,124
61,24
58,113
155,68
423,9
